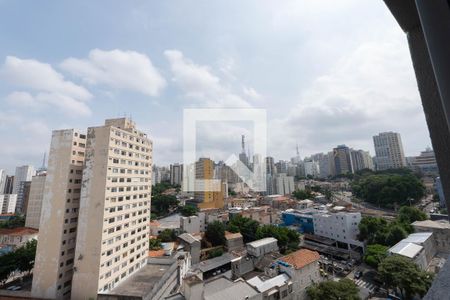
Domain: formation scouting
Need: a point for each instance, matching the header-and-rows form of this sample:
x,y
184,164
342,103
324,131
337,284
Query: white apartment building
x,y
361,160
55,254
8,203
389,151
113,231
23,173
311,168
341,226
284,185
35,201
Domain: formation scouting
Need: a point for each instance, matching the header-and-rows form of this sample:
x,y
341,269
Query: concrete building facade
x,y
23,173
55,254
23,195
35,201
389,151
113,231
342,160
176,174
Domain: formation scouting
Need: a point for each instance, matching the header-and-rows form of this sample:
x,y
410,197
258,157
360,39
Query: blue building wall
x,y
304,222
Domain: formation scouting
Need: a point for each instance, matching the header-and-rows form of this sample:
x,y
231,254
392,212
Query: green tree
x,y
396,234
167,235
334,290
302,194
389,188
215,253
215,233
162,204
22,259
246,226
13,222
399,272
288,239
155,244
410,214
189,210
373,230
375,254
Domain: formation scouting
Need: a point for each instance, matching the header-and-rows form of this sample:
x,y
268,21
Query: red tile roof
x,y
301,258
18,231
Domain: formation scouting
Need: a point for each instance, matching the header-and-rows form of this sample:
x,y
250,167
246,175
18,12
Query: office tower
x,y
55,254
361,160
284,185
204,169
331,165
9,184
8,203
113,231
281,166
23,194
270,166
176,174
2,181
389,151
23,173
342,160
35,201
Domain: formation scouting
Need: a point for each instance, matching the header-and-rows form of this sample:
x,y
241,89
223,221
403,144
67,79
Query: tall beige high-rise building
x,y
53,269
35,201
113,231
204,170
389,151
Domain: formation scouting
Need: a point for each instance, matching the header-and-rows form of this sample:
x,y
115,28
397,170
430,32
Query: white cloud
x,y
199,83
369,90
49,86
33,74
251,93
22,99
129,70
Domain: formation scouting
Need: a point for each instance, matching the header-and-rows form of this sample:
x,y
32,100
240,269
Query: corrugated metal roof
x,y
262,242
407,249
418,238
264,285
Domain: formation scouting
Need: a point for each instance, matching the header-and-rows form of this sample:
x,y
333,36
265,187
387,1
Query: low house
x,y
419,247
17,237
260,247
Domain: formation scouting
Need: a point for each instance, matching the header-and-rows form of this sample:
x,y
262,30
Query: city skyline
x,y
179,63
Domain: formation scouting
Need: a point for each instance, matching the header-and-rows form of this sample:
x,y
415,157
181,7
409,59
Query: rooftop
x,y
441,224
215,262
188,238
224,289
263,284
230,235
301,258
142,282
407,249
262,242
418,238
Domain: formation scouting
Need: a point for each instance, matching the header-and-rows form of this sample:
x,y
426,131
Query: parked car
x,y
358,274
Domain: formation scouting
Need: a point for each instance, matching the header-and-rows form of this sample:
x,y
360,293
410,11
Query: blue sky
x,y
328,73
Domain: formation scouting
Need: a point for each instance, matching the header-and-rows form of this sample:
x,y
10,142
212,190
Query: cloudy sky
x,y
327,72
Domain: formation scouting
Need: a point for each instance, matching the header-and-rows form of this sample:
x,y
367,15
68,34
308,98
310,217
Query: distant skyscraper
x,y
176,174
342,160
361,160
23,173
389,151
2,181
311,167
270,166
35,201
23,195
204,169
9,184
243,156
